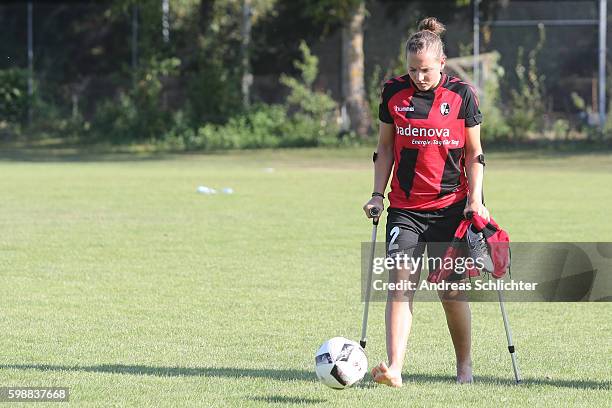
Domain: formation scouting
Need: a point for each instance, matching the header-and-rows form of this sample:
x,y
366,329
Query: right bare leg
x,y
398,321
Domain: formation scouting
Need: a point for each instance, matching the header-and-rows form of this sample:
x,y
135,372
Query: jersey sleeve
x,y
383,109
470,110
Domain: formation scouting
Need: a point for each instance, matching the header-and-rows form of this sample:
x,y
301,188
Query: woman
x,y
430,136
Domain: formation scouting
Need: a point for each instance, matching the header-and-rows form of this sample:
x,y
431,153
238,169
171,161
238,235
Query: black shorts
x,y
409,232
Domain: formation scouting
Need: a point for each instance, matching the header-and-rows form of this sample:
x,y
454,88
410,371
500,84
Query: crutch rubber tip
x,y
362,343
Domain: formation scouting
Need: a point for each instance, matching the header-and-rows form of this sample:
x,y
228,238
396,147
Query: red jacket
x,y
498,243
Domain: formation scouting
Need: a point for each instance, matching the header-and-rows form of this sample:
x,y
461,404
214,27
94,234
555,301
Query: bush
x,y
494,126
314,120
14,98
261,126
527,106
307,119
137,114
561,128
374,86
212,94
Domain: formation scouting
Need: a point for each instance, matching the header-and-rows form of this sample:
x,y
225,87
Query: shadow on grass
x,y
488,380
227,372
292,375
546,147
75,155
280,399
58,150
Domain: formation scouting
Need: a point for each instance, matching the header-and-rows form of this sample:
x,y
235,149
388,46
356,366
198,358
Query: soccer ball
x,y
340,363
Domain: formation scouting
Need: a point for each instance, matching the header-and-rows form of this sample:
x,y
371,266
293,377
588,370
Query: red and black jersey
x,y
429,167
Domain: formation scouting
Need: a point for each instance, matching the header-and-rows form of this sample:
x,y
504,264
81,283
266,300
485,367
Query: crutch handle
x,y
375,214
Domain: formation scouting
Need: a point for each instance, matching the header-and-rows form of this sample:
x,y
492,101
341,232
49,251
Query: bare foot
x,y
384,375
464,373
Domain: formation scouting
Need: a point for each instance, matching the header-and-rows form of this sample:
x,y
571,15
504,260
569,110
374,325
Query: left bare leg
x,y
459,321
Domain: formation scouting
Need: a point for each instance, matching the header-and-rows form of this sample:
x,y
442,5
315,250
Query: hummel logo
x,y
404,108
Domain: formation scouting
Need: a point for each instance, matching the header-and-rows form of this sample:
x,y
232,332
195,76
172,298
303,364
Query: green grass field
x,y
124,284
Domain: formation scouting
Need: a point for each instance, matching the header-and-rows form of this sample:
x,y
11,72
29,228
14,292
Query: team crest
x,y
444,109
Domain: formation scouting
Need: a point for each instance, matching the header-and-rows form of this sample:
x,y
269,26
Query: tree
x,y
353,83
245,33
350,15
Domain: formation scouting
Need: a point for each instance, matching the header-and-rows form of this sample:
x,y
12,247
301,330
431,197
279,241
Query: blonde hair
x,y
428,38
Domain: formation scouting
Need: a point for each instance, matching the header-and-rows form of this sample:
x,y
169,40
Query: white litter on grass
x,y
209,190
268,170
206,190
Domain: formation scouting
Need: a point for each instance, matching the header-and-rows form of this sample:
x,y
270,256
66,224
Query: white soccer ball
x,y
340,363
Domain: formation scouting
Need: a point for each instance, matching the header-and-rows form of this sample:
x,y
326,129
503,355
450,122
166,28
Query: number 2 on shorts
x,y
394,233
